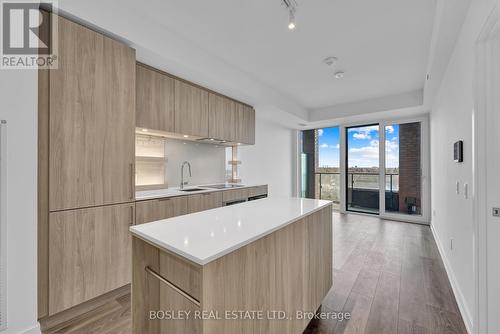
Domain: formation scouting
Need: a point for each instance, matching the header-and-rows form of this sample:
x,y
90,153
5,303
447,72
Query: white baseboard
x,y
464,310
33,330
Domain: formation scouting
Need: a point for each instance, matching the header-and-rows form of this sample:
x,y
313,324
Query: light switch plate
x,y
496,212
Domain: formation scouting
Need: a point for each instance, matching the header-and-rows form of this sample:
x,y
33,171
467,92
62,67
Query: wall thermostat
x,y
458,151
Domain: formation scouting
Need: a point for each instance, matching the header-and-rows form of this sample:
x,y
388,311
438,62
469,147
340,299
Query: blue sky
x,y
363,145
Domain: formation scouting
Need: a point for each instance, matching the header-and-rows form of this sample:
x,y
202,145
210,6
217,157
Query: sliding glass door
x,y
369,168
363,169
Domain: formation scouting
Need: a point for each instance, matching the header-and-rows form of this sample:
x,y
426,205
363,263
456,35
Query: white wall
x,y
271,160
207,162
18,96
451,120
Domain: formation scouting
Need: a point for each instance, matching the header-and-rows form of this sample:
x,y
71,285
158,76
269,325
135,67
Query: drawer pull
x,y
172,286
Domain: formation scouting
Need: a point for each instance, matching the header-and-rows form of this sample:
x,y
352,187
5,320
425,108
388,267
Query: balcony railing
x,y
363,189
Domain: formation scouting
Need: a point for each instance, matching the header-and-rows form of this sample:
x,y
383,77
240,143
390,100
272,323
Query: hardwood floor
x,y
387,275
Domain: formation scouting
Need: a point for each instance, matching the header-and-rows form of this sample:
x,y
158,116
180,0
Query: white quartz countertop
x,y
207,235
175,191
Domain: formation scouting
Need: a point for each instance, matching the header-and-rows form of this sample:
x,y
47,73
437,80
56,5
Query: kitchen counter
x,y
175,192
205,236
221,265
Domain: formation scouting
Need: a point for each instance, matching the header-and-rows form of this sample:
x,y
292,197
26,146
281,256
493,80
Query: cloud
x,y
325,145
389,129
320,132
363,132
361,135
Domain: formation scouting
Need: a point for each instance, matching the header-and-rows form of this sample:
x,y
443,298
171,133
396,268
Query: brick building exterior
x,y
410,183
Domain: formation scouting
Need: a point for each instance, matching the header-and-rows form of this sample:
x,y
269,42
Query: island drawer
x,y
181,273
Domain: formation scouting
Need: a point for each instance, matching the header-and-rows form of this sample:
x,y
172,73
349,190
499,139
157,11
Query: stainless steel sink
x,y
192,189
223,186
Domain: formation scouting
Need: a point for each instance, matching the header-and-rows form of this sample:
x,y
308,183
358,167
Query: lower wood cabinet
x,y
201,202
257,191
235,195
89,253
157,209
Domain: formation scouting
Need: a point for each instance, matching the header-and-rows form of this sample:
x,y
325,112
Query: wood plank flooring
x,y
387,275
390,277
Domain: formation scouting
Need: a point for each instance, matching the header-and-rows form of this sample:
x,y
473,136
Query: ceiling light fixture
x,y
291,20
291,6
339,75
186,136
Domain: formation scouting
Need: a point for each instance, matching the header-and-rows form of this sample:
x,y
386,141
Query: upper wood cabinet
x,y
157,209
230,120
90,253
155,100
206,201
222,117
191,109
92,120
245,125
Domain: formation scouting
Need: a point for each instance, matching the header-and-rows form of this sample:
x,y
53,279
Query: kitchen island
x,y
255,267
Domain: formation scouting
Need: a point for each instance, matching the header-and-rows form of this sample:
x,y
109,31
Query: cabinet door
x,y
201,202
234,195
157,209
191,109
92,120
245,125
222,118
155,100
257,191
89,253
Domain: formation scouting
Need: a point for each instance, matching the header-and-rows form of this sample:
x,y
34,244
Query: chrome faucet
x,y
184,183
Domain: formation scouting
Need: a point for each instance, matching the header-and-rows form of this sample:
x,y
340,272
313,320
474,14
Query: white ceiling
x,y
383,46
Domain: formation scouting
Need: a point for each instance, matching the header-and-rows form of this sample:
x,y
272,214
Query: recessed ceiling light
x,y
330,60
186,136
145,130
339,74
212,139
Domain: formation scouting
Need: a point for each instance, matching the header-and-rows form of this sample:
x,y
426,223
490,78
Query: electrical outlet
x,y
451,243
457,187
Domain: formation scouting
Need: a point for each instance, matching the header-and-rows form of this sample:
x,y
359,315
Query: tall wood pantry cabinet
x,y
86,168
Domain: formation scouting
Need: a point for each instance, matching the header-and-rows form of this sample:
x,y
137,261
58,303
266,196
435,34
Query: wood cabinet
x,y
191,109
222,118
245,124
230,120
206,201
257,191
157,209
234,195
91,120
154,100
90,253
263,275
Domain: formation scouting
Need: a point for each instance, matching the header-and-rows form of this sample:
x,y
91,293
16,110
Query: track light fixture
x,y
291,6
